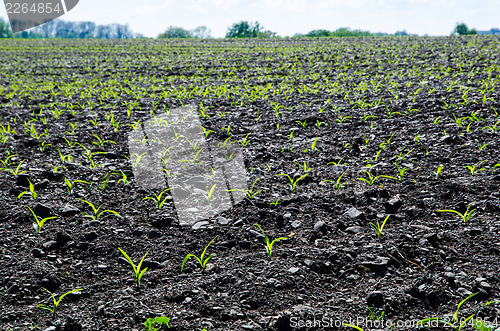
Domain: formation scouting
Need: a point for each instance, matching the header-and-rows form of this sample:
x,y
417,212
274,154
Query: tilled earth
x,y
313,109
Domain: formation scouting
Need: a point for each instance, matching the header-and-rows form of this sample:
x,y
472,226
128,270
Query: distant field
x,y
334,135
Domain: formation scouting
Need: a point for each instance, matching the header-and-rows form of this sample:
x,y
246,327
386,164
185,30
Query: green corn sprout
x,y
157,198
493,127
269,244
97,214
123,179
372,311
194,160
342,119
304,123
371,179
30,192
481,147
465,216
249,192
203,262
152,323
401,171
245,141
353,326
56,303
277,202
456,324
16,171
313,146
70,184
99,142
293,181
473,169
338,184
6,162
39,222
438,171
206,131
379,227
137,270
64,158
305,168
339,161
208,194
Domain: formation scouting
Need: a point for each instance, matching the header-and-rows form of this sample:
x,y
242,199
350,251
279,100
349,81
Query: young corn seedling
x,y
207,131
338,183
194,160
313,146
495,166
481,147
123,179
97,214
304,123
401,172
305,168
6,162
493,128
56,303
151,324
44,145
137,270
245,141
99,142
474,168
293,181
64,158
269,244
249,192
371,179
353,326
373,313
31,191
209,193
71,184
438,171
17,170
89,154
201,260
342,119
94,122
339,161
39,222
457,323
55,169
103,184
379,227
465,216
275,203
401,156
157,198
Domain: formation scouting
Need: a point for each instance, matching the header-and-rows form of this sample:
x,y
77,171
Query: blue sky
x,y
286,17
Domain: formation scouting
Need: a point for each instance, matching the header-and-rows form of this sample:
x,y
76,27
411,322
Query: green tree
x,y
244,29
175,32
5,31
319,33
201,32
462,29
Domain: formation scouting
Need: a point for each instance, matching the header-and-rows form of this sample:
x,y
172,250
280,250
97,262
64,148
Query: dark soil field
x,y
328,138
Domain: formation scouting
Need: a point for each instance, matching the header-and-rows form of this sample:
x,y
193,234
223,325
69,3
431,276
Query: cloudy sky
x,y
286,17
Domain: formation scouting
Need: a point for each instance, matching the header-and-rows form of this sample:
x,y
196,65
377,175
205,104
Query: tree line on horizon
x,y
84,30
